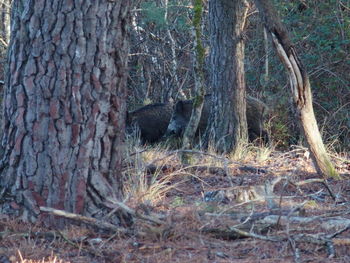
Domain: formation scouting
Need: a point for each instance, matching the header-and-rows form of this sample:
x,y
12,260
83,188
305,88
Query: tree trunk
x,y
5,22
228,125
173,62
64,106
4,35
199,82
300,85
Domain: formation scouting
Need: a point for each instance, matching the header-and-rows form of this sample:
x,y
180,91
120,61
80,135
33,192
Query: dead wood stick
x,y
316,239
234,232
311,238
318,180
308,181
136,214
253,235
87,220
339,231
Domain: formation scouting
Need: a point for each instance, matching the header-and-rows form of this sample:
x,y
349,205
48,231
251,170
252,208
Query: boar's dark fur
x,y
152,121
182,114
256,115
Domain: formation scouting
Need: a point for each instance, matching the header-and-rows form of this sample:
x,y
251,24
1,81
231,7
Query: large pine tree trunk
x,y
300,85
64,105
228,128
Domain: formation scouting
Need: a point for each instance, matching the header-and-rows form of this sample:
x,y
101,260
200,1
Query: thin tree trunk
x,y
175,85
228,125
199,82
64,106
5,7
266,46
300,85
240,103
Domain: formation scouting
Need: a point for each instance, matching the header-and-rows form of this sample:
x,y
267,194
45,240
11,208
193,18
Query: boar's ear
x,y
179,106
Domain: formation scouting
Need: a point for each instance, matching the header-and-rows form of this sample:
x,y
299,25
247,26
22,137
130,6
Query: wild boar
x,y
182,114
151,120
256,115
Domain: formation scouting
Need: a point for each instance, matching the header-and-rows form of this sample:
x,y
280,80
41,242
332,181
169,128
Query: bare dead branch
x,y
87,220
135,214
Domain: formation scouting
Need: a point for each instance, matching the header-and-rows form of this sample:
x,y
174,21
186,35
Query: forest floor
x,y
269,206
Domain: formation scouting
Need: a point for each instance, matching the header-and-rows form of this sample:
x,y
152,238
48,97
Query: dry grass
x,y
51,259
256,151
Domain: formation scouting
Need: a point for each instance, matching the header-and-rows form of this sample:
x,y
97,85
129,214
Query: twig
x,y
3,43
87,220
253,235
310,238
318,180
308,181
135,214
339,232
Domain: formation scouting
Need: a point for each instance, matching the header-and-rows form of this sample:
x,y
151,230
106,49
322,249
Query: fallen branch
x,y
254,235
304,182
87,220
234,233
132,212
318,180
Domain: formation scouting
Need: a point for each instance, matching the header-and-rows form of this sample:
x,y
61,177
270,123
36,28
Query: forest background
x,y
161,60
160,69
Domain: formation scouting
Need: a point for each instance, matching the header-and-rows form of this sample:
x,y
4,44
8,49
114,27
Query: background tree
x,y
320,32
64,105
300,85
4,33
198,101
228,128
5,20
161,39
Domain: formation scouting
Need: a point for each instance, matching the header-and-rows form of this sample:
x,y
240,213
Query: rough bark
x,y
228,128
300,85
64,106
